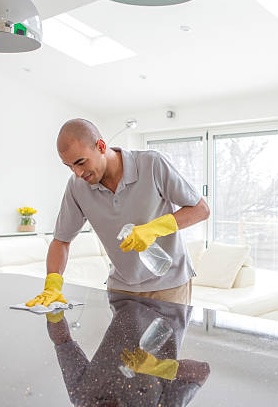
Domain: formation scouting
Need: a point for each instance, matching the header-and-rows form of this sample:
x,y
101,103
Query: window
x,y
187,154
246,193
242,169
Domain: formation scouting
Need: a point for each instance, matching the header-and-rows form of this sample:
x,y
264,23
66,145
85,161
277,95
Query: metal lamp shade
x,y
20,26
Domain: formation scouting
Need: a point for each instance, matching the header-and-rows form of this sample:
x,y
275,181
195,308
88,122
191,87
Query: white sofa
x,y
227,281
88,262
225,278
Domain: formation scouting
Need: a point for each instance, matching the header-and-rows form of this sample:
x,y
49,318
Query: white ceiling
x,y
231,49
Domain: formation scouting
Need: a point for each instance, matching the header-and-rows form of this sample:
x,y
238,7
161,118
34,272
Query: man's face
x,y
86,161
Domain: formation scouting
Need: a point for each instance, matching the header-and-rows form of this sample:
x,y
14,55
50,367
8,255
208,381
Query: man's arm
x,y
72,360
142,236
58,331
190,215
56,263
57,256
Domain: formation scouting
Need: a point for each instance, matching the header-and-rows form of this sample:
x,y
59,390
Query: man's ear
x,y
101,145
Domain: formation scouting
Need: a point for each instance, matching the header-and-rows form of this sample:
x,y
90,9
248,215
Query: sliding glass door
x,y
188,156
242,169
246,193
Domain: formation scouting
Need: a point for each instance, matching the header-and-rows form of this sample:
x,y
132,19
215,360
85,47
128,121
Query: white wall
x,y
259,107
31,171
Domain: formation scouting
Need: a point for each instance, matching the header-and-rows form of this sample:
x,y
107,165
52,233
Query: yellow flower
x,y
26,211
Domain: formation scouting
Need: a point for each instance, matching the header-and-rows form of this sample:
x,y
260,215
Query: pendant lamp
x,y
20,26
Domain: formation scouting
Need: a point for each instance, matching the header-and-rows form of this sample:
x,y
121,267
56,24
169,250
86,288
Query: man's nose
x,y
78,171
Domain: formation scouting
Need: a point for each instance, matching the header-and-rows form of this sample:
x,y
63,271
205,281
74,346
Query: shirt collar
x,y
130,171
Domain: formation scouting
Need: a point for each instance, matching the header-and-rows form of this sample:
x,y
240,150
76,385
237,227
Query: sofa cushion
x,y
259,303
36,269
245,277
22,250
270,315
85,244
220,264
195,250
249,301
89,271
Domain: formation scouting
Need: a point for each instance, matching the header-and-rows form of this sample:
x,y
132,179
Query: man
x,y
113,187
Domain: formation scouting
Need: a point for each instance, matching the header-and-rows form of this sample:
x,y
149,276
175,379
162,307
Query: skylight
x,y
81,42
270,5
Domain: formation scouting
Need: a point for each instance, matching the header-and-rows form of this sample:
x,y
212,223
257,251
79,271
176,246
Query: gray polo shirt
x,y
150,187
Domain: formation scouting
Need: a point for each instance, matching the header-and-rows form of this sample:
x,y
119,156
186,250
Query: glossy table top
x,y
77,360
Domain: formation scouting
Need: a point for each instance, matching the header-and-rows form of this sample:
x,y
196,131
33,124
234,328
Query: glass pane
x,y
187,154
246,194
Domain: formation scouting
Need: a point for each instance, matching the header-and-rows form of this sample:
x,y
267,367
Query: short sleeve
x,y
171,183
71,218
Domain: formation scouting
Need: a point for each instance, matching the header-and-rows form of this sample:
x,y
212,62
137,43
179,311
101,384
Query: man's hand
x,y
58,328
55,317
141,361
143,236
52,291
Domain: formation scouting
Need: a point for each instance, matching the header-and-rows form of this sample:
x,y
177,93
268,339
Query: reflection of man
x,y
112,187
100,381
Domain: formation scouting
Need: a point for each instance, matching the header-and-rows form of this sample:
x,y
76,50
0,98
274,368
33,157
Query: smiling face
x,y
86,161
82,151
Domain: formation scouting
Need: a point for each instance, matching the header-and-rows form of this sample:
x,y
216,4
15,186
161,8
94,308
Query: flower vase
x,y
26,224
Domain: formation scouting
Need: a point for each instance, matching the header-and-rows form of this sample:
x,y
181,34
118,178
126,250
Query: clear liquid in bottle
x,y
154,257
156,335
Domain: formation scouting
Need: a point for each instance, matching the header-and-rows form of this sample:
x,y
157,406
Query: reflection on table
x,y
102,381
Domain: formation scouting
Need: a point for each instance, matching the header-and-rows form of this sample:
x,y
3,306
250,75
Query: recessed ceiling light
x,y
185,28
82,42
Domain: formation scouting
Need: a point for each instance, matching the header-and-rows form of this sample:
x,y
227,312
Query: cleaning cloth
x,y
41,309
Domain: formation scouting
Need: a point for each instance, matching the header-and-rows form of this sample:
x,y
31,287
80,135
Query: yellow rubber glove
x,y
55,317
141,361
52,291
143,236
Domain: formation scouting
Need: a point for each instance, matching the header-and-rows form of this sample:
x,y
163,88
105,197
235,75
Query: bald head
x,y
77,129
